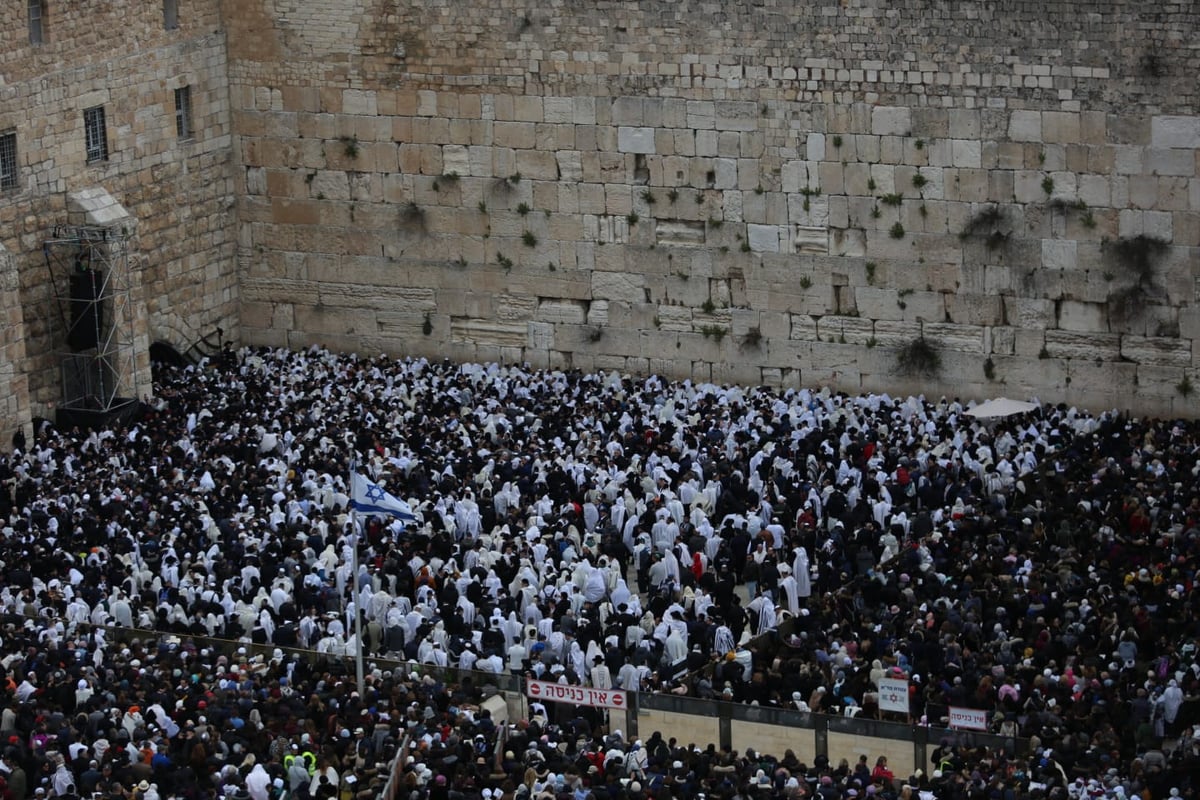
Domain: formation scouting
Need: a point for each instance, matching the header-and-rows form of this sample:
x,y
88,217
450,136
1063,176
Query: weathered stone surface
x,y
1169,131
568,312
764,238
281,218
635,140
619,287
1068,344
1157,351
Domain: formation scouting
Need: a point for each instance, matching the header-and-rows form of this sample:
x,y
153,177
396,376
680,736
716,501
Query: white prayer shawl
x,y
789,594
800,570
676,647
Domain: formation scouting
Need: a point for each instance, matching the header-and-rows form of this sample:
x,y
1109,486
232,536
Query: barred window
x,y
8,160
96,134
183,112
37,19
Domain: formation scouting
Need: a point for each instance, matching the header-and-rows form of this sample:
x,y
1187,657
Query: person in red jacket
x,y
882,771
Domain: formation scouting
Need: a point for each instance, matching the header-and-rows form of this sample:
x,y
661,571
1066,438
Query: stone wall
x,y
118,54
769,192
765,192
14,386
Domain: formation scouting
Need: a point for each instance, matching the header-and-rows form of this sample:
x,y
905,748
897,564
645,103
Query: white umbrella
x,y
1000,407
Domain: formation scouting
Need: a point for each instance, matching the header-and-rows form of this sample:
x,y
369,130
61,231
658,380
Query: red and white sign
x,y
970,718
893,695
579,695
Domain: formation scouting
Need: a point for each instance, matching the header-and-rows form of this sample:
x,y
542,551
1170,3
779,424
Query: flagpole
x,y
354,594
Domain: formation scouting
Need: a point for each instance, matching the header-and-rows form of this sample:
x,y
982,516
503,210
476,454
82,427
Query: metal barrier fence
x,y
922,738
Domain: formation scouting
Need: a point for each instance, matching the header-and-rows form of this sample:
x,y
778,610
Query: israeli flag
x,y
371,498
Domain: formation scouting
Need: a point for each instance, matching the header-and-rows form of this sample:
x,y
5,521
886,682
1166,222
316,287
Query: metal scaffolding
x,y
90,273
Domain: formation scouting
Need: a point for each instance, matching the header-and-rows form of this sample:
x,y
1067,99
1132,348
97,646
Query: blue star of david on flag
x,y
371,498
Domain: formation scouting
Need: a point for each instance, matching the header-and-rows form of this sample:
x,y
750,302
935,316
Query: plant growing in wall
x,y
918,358
632,218
808,193
871,266
989,369
896,231
1138,257
673,195
919,180
836,141
529,239
504,261
753,337
989,223
412,216
1184,387
504,185
648,197
350,146
893,199
427,325
1048,185
522,209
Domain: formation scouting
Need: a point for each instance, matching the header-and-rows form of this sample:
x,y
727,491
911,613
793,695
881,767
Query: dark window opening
x,y
8,160
95,134
183,112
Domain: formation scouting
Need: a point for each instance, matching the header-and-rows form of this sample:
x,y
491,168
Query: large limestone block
x,y
384,298
1161,161
726,173
510,307
1157,351
456,159
701,114
559,110
1075,315
1069,344
1059,254
486,332
878,303
736,115
891,333
1170,131
845,330
891,121
796,176
765,238
621,287
966,153
803,327
812,240
268,290
975,309
635,140
1025,126
1029,313
516,135
959,338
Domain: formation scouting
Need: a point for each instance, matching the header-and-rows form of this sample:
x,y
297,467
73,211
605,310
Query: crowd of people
x,y
595,529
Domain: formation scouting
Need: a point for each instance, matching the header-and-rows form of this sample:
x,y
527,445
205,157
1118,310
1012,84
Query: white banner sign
x,y
969,718
893,695
546,691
